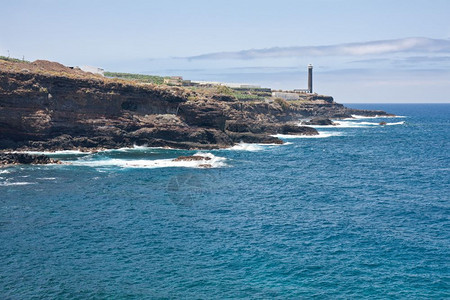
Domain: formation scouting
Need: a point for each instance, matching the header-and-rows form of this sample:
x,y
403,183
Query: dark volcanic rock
x,y
23,158
206,166
318,121
241,126
297,130
192,158
248,137
226,98
368,113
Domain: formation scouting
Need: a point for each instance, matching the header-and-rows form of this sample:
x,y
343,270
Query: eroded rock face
x,y
52,107
88,113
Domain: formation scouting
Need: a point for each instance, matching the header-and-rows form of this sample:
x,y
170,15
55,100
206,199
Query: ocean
x,y
360,211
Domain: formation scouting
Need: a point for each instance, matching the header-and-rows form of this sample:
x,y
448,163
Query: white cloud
x,y
397,83
415,45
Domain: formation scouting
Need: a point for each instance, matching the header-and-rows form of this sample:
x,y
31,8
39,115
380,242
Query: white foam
x,y
59,152
322,134
48,178
342,124
136,148
4,171
139,147
79,152
15,183
350,124
254,147
373,117
214,162
246,147
398,123
353,124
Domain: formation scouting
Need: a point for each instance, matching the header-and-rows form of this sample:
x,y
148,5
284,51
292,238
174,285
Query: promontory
x,y
48,106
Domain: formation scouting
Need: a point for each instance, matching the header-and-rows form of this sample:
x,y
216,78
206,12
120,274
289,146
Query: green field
x,y
137,77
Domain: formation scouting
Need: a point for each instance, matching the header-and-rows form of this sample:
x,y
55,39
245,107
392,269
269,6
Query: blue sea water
x,y
362,211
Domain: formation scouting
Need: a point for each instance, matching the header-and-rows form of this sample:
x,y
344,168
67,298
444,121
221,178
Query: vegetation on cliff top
x,y
283,103
12,59
238,94
138,77
14,70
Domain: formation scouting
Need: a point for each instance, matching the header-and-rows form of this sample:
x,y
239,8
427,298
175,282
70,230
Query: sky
x,y
362,51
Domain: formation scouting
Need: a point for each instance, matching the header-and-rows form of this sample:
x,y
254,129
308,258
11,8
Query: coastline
x,y
46,106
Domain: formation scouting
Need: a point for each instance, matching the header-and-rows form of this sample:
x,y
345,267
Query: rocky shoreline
x,y
25,159
47,106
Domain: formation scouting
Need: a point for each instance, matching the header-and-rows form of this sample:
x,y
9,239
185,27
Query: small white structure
x,y
93,70
302,91
174,80
286,95
228,84
201,82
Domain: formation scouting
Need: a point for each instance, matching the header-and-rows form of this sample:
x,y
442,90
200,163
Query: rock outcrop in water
x,y
192,158
45,105
318,121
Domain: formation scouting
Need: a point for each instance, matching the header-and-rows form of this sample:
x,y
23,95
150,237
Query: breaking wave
x,y
246,147
212,162
374,117
136,148
354,124
322,134
58,152
79,152
398,123
254,147
15,183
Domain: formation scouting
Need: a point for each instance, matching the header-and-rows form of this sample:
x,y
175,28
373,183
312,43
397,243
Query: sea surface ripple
x,y
362,212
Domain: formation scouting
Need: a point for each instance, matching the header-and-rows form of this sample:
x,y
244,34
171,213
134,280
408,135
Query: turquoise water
x,y
360,212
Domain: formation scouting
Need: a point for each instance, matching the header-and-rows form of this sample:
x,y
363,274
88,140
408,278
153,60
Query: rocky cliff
x,y
45,105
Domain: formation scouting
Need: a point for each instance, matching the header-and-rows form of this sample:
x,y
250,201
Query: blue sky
x,y
362,51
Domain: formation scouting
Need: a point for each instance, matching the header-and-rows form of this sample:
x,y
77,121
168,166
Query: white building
x,y
286,95
93,70
228,84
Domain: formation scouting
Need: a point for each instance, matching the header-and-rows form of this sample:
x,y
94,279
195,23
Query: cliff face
x,y
37,107
45,105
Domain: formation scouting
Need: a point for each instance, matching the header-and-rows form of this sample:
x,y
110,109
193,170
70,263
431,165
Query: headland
x,y
48,106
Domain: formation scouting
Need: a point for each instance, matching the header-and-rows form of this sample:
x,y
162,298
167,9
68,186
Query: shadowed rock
x,y
26,159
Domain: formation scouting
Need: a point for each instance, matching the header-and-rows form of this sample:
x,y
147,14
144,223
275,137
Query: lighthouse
x,y
310,78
